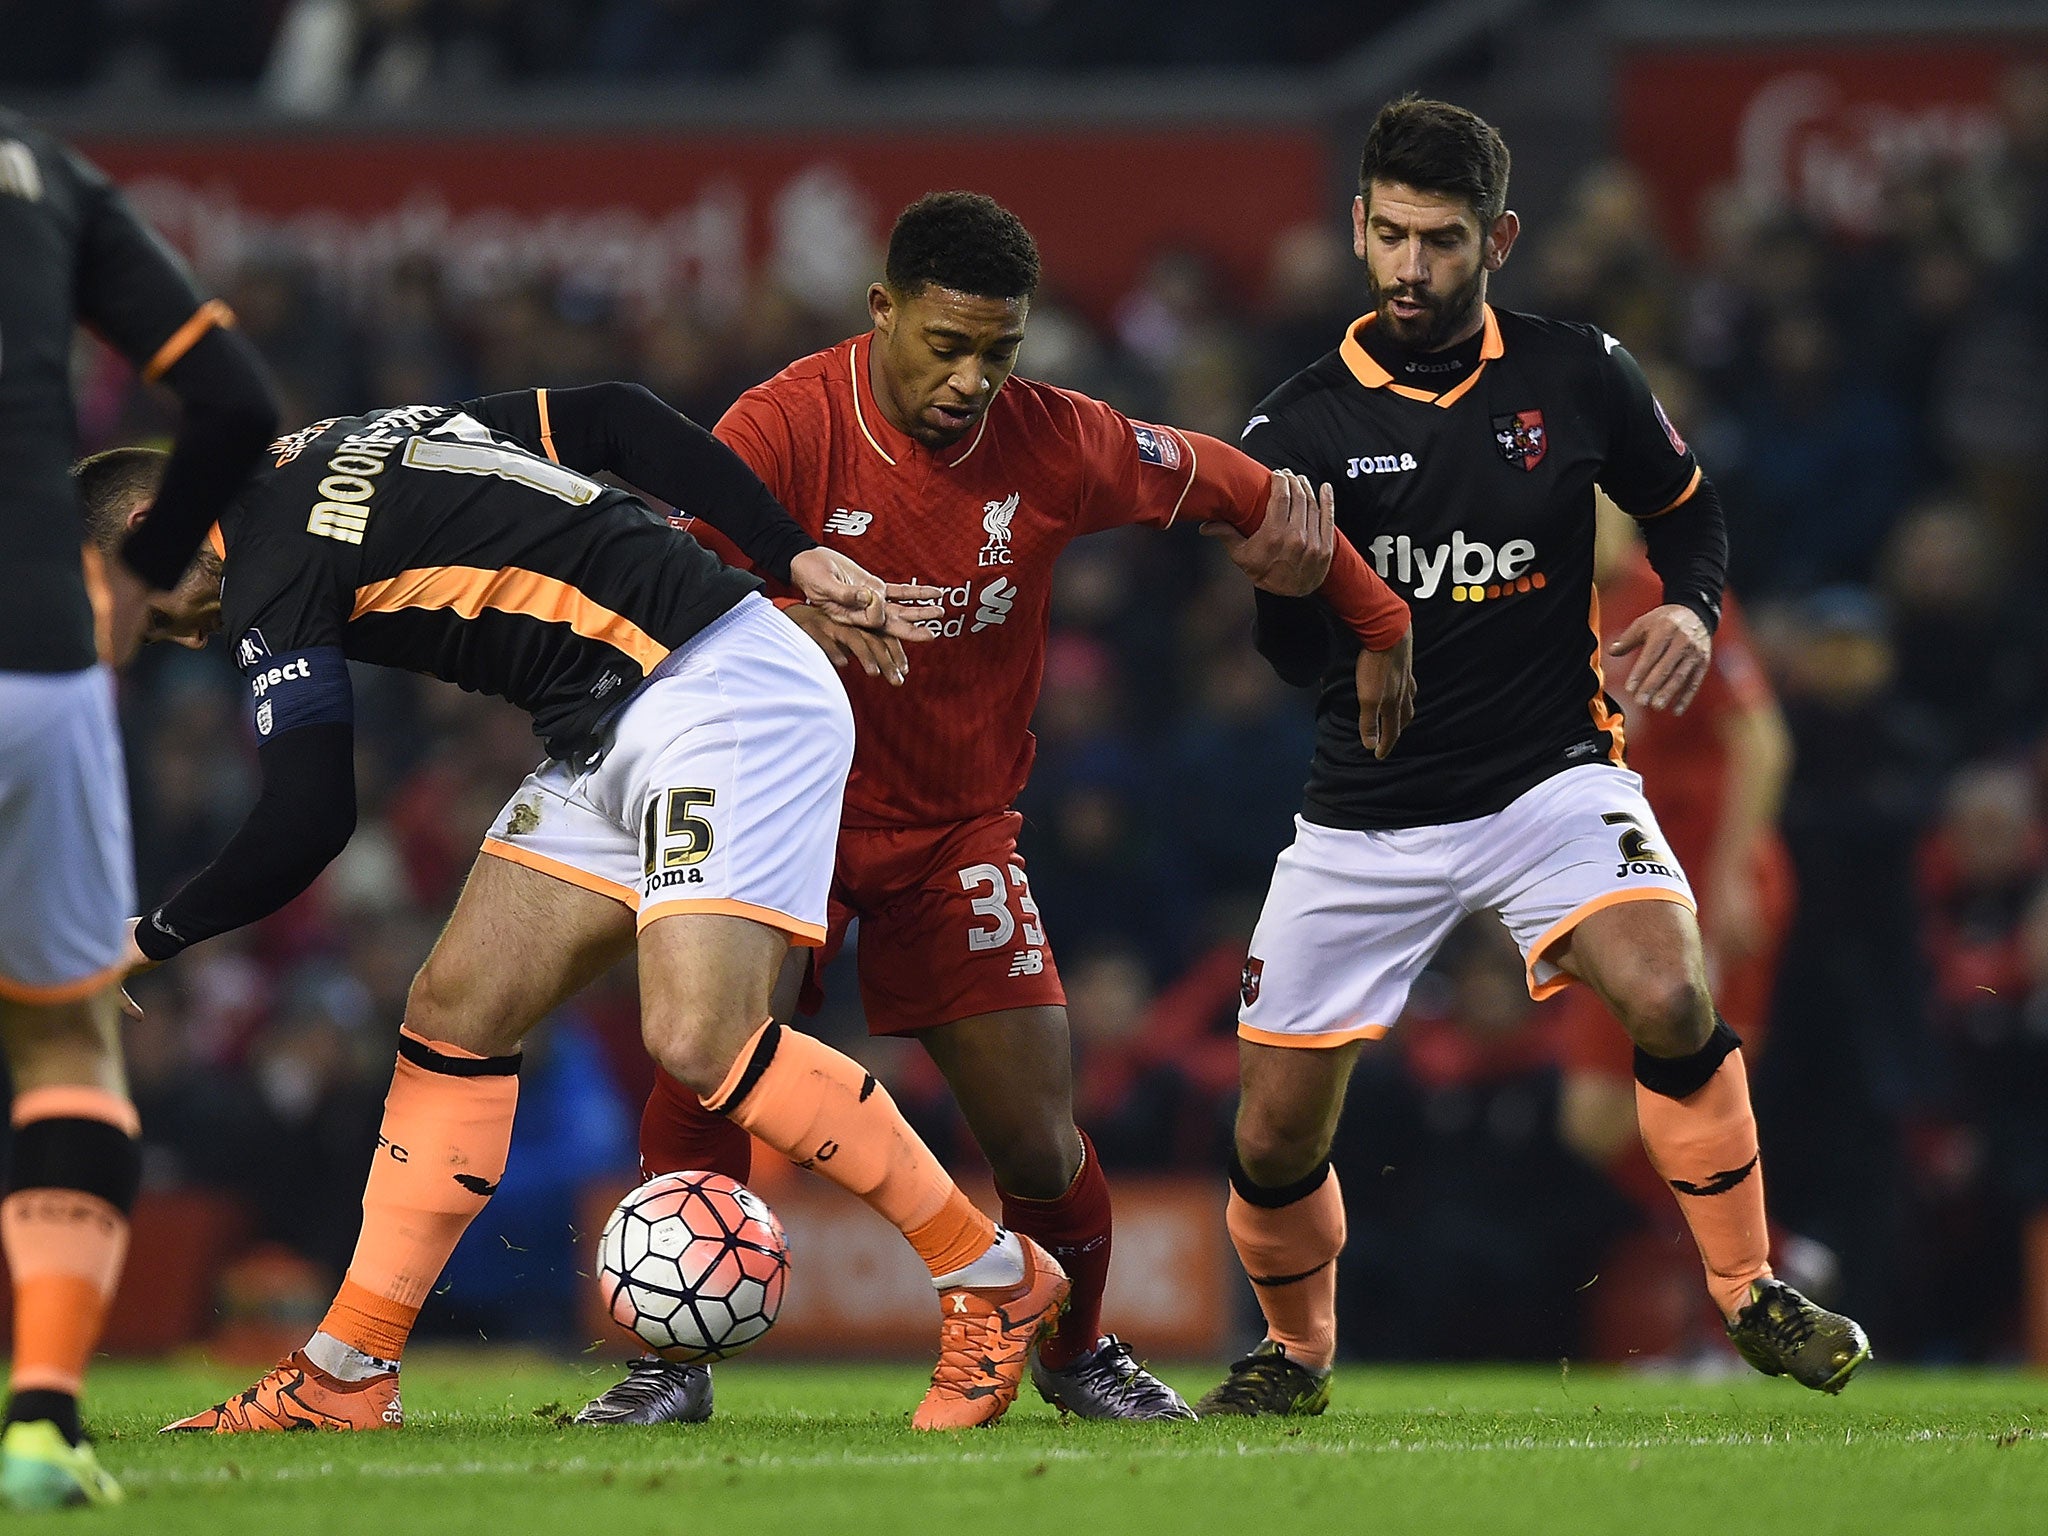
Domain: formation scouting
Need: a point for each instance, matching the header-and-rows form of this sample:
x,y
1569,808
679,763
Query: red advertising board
x,y
1815,127
655,213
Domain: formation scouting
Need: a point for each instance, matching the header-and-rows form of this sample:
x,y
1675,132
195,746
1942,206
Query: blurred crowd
x,y
1877,419
321,55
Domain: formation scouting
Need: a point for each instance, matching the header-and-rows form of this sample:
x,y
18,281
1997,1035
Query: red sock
x,y
678,1133
1075,1229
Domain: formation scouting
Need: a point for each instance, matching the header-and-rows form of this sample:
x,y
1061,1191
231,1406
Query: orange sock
x,y
440,1154
824,1112
64,1226
1704,1147
1289,1252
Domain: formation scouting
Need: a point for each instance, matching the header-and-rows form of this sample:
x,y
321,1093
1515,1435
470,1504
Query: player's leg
x,y
65,864
518,944
1350,920
1600,901
1011,1073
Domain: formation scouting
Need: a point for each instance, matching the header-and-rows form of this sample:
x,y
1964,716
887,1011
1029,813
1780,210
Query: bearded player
x,y
914,444
1486,433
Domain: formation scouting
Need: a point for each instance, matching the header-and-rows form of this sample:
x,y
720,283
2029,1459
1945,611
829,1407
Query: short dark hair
x,y
109,486
1434,146
965,241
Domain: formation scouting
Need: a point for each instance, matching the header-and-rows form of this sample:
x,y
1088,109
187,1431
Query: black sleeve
x,y
626,429
230,417
1295,634
1688,548
298,826
1648,468
134,291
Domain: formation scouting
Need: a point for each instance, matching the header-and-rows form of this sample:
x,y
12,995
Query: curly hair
x,y
964,241
1434,146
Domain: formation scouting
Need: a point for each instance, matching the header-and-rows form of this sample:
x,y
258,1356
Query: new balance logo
x,y
1028,962
849,523
997,599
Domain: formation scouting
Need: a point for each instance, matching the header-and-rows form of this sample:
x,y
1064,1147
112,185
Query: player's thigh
x,y
69,1044
949,928
707,981
1350,920
1570,865
66,865
1012,1075
518,945
1644,960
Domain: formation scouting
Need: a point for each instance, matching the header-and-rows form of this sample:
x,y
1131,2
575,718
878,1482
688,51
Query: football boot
x,y
1107,1383
297,1394
985,1339
1267,1383
1781,1333
655,1391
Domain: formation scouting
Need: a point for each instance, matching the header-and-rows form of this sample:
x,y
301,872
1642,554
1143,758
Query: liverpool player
x,y
697,751
73,250
914,445
1478,437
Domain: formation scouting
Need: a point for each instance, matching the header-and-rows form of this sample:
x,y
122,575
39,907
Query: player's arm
x,y
1652,475
627,430
1758,745
137,294
302,819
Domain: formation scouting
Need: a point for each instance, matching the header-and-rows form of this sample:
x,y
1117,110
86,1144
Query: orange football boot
x,y
985,1339
297,1394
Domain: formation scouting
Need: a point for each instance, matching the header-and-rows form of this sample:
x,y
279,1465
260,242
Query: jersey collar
x,y
897,447
1373,376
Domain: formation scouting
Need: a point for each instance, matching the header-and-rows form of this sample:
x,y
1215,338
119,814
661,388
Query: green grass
x,y
826,1449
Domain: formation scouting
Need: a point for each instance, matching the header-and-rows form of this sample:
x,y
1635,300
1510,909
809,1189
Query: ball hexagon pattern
x,y
694,1264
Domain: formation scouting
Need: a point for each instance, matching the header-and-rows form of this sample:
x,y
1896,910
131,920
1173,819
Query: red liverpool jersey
x,y
985,520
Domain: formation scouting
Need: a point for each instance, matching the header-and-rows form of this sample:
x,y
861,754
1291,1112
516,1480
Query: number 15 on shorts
x,y
675,839
989,895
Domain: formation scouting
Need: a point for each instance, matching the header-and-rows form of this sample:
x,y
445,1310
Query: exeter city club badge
x,y
1522,438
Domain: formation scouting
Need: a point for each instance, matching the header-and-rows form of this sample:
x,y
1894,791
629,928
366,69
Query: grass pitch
x,y
827,1449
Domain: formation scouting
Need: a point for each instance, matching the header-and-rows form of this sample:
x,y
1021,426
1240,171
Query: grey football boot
x,y
1107,1383
655,1391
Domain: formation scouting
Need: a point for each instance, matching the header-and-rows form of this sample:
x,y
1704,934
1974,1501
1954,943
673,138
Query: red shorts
x,y
948,929
1591,1042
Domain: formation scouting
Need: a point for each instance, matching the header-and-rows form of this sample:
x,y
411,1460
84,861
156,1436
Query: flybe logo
x,y
1475,571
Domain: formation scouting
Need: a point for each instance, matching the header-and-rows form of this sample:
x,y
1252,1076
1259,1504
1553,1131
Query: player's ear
x,y
881,308
1358,226
1501,239
136,514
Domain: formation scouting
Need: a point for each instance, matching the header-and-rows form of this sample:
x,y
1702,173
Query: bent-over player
x,y
915,446
697,747
1466,443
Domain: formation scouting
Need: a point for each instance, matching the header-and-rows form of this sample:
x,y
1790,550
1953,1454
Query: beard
x,y
1443,316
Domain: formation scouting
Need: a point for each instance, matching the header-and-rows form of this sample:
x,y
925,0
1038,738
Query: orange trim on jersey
x,y
1194,468
1604,719
859,415
547,430
13,991
468,590
186,337
217,542
1373,376
1564,925
541,864
1681,499
802,934
1317,1042
76,1101
93,566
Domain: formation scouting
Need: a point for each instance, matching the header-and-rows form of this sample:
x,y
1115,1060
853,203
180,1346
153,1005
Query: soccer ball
x,y
695,1264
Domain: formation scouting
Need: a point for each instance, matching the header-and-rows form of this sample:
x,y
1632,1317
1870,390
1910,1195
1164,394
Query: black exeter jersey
x,y
71,250
432,538
1476,505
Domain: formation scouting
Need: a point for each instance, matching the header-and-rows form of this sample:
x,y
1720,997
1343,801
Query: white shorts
x,y
1352,918
67,868
718,789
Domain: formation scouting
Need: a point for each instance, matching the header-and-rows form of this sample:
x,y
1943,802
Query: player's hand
x,y
127,611
133,963
1289,553
1672,650
842,590
1386,693
878,655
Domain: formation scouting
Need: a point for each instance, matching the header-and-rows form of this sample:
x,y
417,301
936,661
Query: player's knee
x,y
1280,1146
695,1045
1667,1013
1038,1163
444,1005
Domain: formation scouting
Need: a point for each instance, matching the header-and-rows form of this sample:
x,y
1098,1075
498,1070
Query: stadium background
x,y
1824,232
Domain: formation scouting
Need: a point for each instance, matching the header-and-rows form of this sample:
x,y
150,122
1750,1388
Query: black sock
x,y
60,1408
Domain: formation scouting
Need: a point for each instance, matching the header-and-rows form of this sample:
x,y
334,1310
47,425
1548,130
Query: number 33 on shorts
x,y
990,895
